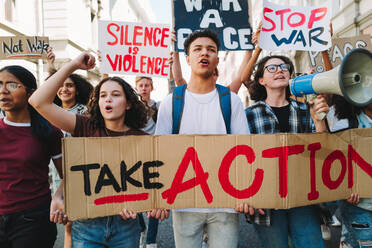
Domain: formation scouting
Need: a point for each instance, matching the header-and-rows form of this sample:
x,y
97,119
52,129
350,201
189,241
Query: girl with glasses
x,y
27,144
275,112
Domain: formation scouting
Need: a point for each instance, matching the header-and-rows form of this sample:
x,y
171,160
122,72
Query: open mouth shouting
x,y
204,62
108,109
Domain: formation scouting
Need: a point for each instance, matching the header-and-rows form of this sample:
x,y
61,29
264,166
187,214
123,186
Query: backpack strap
x,y
178,101
225,103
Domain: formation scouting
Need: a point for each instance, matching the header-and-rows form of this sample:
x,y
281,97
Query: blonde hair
x,y
139,78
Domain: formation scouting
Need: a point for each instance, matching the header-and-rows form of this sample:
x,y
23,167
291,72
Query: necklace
x,y
210,98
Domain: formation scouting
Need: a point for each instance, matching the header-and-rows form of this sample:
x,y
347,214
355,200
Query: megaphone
x,y
352,79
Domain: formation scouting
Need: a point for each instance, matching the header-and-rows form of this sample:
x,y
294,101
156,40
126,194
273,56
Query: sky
x,y
163,12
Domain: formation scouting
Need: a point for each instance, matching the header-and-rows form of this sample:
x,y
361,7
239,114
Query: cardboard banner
x,y
295,28
24,47
340,47
134,48
229,18
104,175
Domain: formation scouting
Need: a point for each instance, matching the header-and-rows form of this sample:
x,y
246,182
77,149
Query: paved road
x,y
247,237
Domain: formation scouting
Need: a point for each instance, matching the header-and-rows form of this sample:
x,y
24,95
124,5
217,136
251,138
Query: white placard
x,y
295,28
134,48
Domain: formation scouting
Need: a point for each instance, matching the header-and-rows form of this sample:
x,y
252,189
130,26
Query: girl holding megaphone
x,y
275,112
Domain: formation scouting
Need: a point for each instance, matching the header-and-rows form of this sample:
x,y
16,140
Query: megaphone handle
x,y
312,98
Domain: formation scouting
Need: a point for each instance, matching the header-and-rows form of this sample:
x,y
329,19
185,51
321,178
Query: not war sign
x,y
295,28
104,175
134,48
229,18
22,47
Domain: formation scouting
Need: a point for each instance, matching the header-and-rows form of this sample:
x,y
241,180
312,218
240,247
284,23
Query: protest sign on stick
x,y
228,18
340,47
104,175
134,48
23,47
295,28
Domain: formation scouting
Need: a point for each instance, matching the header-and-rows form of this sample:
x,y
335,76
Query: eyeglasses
x,y
274,68
11,86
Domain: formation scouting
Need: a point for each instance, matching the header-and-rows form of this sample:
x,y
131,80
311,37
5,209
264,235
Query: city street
x,y
247,237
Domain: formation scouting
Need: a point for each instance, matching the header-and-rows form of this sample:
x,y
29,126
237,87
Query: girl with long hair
x,y
114,110
27,144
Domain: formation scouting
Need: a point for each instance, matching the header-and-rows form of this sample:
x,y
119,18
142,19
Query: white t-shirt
x,y
202,115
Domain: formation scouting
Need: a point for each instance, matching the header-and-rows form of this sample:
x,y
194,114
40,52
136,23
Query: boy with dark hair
x,y
207,33
201,112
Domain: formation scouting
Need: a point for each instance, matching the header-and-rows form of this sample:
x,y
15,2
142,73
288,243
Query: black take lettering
x,y
85,169
102,181
147,175
126,175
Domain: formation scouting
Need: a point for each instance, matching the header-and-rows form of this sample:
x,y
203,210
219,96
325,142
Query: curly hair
x,y
135,117
256,90
83,89
343,109
201,33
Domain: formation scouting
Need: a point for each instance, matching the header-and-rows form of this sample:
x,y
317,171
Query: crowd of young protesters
x,y
30,137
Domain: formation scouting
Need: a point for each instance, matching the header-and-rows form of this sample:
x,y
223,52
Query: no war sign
x,y
228,18
134,48
104,175
295,28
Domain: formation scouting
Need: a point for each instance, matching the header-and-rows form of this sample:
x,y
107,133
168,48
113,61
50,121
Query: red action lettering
x,y
326,170
121,198
354,156
314,194
200,178
283,153
223,173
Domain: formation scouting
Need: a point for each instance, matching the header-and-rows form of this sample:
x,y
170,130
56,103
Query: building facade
x,y
71,25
